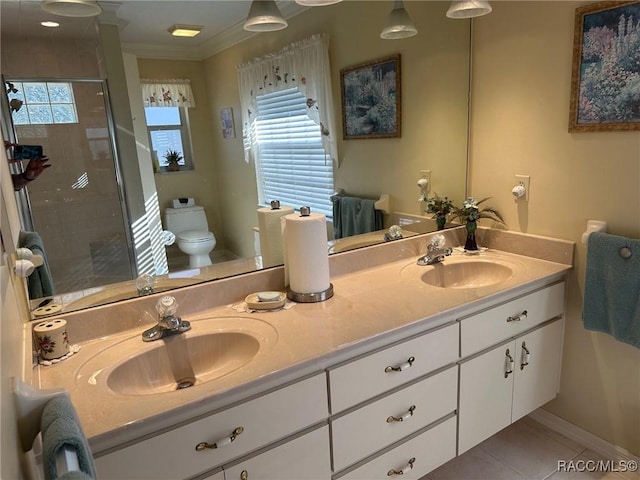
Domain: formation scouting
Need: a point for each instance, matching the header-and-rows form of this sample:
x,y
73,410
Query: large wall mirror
x,y
100,208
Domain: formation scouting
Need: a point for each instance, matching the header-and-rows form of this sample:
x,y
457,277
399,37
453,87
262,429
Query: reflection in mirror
x,y
100,209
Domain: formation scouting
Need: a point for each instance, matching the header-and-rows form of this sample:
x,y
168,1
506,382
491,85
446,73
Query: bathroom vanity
x,y
403,369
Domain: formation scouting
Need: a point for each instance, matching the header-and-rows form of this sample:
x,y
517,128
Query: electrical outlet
x,y
426,174
524,180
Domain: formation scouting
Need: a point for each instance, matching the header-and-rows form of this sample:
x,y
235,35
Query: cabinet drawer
x,y
499,323
428,450
366,377
371,428
265,419
304,458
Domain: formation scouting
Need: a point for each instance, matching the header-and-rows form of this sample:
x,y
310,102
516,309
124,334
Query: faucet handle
x,y
438,241
144,284
167,306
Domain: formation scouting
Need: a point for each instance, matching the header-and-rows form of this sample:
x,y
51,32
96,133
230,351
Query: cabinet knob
x,y
406,416
222,442
401,367
508,364
406,469
244,475
524,359
517,318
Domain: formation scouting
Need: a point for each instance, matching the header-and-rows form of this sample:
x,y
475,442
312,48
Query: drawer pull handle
x,y
517,318
508,364
402,367
222,442
524,361
244,475
406,469
406,416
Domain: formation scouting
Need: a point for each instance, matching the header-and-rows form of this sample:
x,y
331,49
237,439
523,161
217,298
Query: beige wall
x,y
520,111
434,108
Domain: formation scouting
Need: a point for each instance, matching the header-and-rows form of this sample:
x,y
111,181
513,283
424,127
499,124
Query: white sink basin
x,y
212,349
461,271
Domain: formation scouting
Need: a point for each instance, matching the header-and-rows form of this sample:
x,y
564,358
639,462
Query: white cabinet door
x,y
492,397
216,476
538,371
486,386
304,458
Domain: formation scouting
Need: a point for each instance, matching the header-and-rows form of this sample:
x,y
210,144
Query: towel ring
x,y
626,253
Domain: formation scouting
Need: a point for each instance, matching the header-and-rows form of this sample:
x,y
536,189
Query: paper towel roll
x,y
52,338
269,226
306,254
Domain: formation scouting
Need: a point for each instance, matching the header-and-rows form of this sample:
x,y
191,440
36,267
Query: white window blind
x,y
291,164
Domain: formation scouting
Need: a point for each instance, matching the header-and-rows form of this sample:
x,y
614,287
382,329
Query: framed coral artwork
x,y
605,83
371,99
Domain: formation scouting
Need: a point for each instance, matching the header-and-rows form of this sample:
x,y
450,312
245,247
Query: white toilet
x,y
189,225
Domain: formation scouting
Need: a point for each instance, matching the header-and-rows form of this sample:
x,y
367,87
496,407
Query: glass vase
x,y
470,244
440,222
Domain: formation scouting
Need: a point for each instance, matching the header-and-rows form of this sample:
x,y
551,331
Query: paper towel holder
x,y
310,297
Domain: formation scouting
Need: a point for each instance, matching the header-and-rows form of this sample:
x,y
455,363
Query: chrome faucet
x,y
168,323
436,251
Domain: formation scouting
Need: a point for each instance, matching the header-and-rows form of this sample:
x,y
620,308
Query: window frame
x,y
185,131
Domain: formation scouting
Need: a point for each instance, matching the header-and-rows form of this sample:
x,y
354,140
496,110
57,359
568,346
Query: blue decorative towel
x,y
62,429
612,287
57,407
353,216
40,282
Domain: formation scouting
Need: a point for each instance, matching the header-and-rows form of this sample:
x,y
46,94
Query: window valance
x,y
167,93
304,65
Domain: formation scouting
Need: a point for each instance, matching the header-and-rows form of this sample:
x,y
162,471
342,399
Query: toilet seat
x,y
195,236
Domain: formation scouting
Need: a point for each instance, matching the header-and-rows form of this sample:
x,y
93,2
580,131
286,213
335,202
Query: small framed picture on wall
x,y
226,121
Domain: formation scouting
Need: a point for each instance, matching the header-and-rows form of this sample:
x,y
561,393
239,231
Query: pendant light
x,y
72,8
399,24
468,9
316,3
264,16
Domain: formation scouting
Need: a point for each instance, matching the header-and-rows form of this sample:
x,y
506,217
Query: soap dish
x,y
266,300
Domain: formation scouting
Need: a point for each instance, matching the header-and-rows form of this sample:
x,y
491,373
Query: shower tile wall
x,y
82,228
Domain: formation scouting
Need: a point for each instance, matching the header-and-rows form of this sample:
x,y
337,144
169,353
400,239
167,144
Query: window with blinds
x,y
291,164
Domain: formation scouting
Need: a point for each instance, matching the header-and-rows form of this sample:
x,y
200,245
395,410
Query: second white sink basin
x,y
460,271
466,274
212,349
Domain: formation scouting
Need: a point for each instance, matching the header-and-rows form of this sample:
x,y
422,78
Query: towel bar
x,y
593,226
383,203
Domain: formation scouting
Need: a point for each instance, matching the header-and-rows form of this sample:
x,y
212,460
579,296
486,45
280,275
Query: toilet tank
x,y
179,220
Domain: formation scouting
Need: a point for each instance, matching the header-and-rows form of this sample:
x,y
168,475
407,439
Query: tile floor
x,y
527,450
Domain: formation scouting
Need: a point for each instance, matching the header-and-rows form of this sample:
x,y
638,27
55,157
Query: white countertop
x,y
370,308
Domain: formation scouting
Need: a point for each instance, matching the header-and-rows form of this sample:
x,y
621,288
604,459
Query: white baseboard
x,y
577,434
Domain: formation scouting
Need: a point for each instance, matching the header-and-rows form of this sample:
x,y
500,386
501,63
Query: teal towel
x,y
40,282
354,216
61,428
57,407
612,288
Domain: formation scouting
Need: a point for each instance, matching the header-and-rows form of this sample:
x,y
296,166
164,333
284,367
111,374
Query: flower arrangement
x,y
173,158
440,208
470,213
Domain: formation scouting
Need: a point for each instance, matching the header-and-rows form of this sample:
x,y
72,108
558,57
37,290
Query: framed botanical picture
x,y
226,121
605,83
371,99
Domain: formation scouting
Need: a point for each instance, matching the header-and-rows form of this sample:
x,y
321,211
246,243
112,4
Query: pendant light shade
x,y
316,3
72,8
264,16
468,9
399,24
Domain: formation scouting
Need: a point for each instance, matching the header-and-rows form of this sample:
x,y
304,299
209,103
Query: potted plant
x,y
173,157
440,208
470,213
